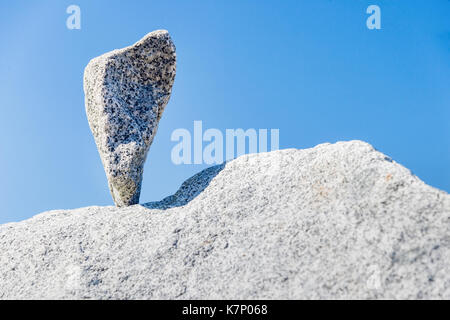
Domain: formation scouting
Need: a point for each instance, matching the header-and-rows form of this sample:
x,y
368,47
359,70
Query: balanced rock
x,y
126,92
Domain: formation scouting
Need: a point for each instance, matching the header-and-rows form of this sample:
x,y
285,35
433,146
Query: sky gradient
x,y
311,69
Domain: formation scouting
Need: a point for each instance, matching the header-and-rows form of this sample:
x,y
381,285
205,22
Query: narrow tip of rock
x,y
151,36
159,31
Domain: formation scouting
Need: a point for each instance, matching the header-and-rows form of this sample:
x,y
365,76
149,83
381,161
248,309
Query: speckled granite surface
x,y
126,92
333,222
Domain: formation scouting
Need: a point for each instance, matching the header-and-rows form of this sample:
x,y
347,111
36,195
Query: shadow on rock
x,y
188,191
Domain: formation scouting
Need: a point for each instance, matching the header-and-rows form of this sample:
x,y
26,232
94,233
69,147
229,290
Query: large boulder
x,y
333,222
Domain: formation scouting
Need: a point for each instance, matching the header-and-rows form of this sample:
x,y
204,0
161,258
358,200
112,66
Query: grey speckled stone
x,y
332,222
126,93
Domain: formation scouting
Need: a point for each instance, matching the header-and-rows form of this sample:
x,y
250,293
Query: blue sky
x,y
310,68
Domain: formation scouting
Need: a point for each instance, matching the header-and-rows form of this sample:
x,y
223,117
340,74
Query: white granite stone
x,y
126,92
338,221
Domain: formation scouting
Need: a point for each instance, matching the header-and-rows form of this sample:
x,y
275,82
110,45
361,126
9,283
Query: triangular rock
x,y
126,92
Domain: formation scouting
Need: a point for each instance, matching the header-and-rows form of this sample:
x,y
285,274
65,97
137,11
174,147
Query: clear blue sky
x,y
310,68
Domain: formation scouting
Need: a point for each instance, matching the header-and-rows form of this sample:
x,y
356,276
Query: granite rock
x,y
126,92
338,221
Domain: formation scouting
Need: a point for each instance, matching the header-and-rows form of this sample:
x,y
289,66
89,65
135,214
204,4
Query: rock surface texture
x,y
332,222
126,92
